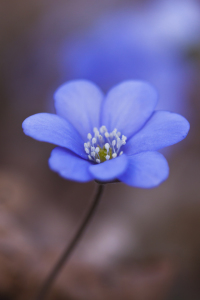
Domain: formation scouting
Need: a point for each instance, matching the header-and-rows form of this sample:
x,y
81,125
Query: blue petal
x,y
69,166
128,106
109,170
145,170
54,129
162,130
79,102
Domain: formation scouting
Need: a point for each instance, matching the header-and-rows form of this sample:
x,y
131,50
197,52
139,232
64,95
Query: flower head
x,y
108,138
149,42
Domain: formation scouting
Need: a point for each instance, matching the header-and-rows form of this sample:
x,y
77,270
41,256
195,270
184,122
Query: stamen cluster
x,y
104,145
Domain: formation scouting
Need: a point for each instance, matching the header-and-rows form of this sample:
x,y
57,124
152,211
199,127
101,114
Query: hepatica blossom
x,y
147,42
108,138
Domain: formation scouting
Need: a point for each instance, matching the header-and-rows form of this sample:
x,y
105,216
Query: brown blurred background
x,y
142,244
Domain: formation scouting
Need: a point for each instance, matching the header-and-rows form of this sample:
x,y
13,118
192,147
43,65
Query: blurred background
x,y
141,244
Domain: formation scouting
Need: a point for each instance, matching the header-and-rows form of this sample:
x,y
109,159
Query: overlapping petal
x,y
70,166
53,129
163,129
128,106
109,170
145,170
79,102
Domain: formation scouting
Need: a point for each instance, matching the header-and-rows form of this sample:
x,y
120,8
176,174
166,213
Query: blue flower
x,y
108,138
148,42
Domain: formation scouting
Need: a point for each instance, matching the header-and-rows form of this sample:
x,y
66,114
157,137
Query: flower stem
x,y
67,252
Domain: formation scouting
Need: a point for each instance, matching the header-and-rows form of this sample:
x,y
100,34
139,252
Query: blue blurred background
x,y
142,244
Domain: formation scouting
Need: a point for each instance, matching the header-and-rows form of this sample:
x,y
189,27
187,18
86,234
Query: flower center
x,y
104,145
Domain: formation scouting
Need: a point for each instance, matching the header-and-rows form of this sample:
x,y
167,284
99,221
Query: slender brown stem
x,y
68,251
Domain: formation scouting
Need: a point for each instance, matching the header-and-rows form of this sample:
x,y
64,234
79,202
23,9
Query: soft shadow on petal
x,y
79,102
54,129
109,170
69,166
163,129
145,170
128,106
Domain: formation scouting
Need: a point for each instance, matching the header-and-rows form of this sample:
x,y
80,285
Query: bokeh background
x,y
141,244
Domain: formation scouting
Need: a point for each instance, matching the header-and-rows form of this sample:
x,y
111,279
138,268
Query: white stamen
x,y
89,136
114,143
107,146
97,144
94,140
103,129
93,154
118,143
123,142
107,135
114,131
